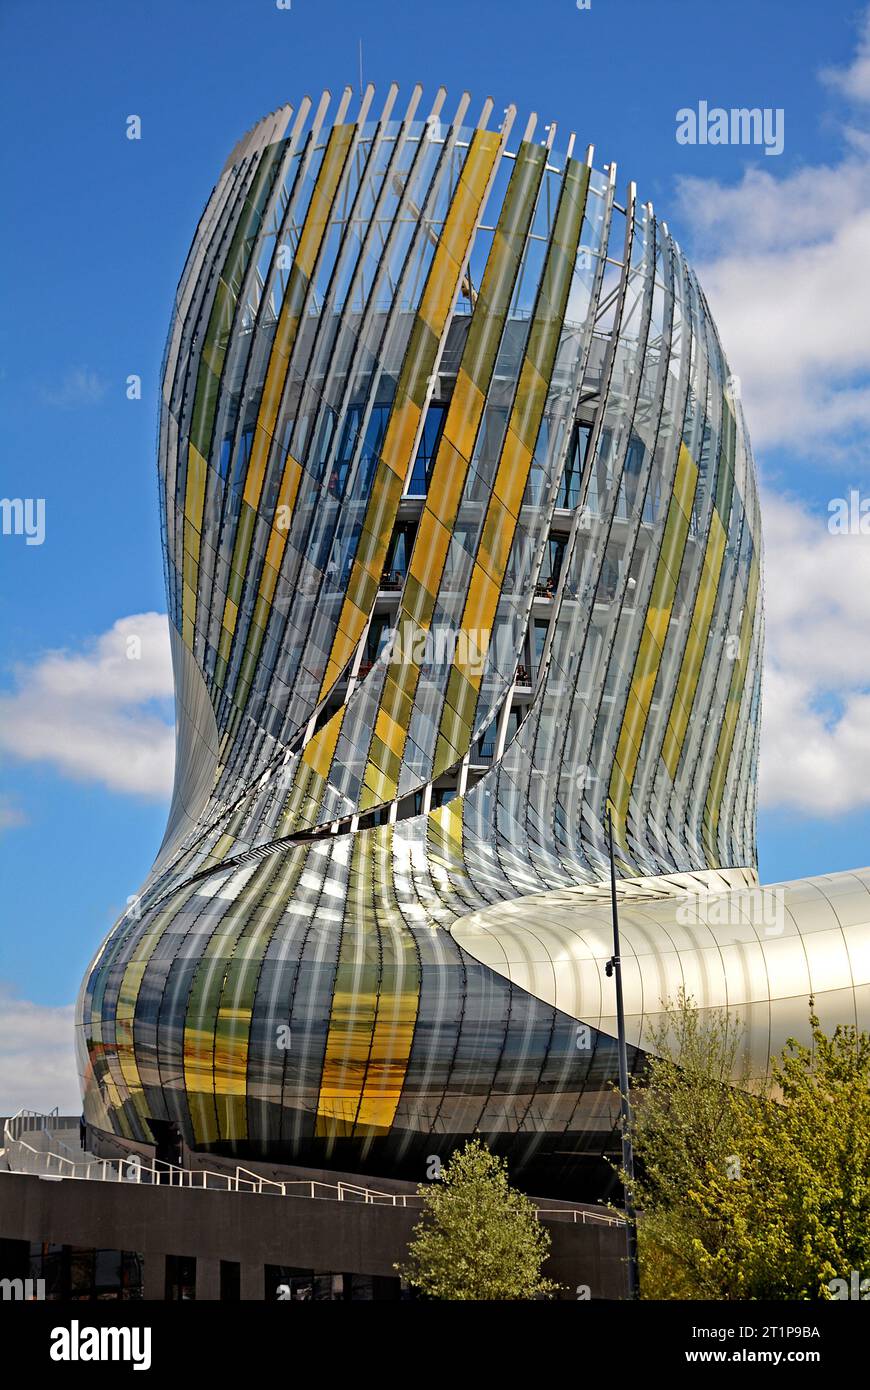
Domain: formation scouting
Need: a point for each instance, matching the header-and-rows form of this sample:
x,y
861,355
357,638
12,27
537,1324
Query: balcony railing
x,y
50,1158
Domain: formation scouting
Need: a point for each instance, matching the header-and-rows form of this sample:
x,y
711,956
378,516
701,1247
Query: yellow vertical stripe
x,y
652,640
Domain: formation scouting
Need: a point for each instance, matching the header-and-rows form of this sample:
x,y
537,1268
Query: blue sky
x,y
96,231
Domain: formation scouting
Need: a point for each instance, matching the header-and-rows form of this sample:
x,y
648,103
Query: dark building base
x,y
171,1243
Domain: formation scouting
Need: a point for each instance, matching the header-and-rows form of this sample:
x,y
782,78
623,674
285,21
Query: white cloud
x,y
815,745
767,213
77,386
853,81
785,264
11,816
37,1056
87,713
788,285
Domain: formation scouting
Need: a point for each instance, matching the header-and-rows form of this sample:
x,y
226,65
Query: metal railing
x,y
52,1158
578,1216
40,1160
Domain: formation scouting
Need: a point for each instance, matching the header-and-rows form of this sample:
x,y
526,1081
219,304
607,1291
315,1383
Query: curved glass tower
x,y
462,544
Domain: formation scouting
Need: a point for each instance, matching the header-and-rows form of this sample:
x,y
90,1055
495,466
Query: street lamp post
x,y
614,968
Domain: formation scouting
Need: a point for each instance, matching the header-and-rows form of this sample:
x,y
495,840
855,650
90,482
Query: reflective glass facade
x,y
462,542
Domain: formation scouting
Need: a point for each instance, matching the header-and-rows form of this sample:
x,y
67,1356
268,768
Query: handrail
x,y
578,1216
158,1172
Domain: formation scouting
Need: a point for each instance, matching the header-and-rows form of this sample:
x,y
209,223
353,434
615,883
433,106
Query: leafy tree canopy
x,y
478,1238
752,1191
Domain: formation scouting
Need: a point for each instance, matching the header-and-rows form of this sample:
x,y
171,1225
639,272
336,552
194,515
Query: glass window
x,y
569,486
81,1274
231,1281
539,638
441,795
428,448
180,1278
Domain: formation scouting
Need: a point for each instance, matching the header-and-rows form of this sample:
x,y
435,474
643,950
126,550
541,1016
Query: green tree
x,y
687,1121
749,1192
797,1215
478,1237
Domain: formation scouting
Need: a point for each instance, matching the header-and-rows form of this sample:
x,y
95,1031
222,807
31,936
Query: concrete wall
x,y
254,1230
